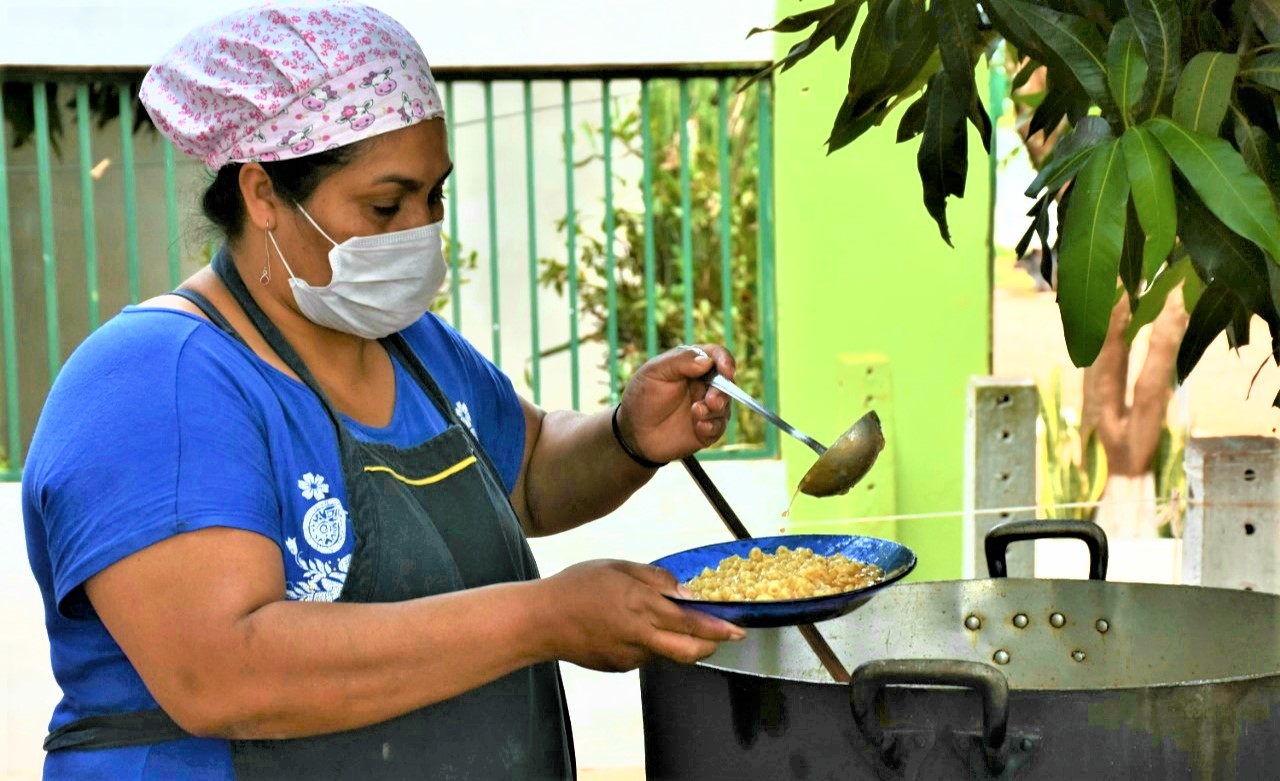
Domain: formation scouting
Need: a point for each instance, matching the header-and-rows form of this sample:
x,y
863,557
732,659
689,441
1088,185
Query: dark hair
x,y
295,180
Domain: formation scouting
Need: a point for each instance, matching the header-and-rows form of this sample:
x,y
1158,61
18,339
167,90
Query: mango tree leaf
x,y
1217,172
1266,14
1192,287
1258,151
1220,256
1213,312
959,42
1024,75
1131,255
1151,181
1126,68
1054,106
1069,43
1092,240
943,159
1159,26
1070,154
1204,91
837,23
912,122
1264,70
1238,329
882,67
801,21
1152,301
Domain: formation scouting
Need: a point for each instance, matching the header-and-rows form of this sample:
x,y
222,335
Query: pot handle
x,y
999,538
872,677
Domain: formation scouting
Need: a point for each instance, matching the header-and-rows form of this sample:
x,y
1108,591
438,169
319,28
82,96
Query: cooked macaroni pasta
x,y
785,574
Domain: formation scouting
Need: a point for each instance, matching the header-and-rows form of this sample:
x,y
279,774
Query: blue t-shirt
x,y
161,423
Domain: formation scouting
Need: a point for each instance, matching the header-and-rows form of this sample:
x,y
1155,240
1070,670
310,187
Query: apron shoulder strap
x,y
210,311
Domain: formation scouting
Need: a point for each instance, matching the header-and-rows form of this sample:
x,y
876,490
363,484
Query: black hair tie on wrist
x,y
622,443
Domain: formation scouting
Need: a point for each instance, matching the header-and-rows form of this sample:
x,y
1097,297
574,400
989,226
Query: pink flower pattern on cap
x,y
279,81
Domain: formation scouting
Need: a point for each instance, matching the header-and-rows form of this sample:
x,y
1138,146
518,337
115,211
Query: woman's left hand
x,y
667,411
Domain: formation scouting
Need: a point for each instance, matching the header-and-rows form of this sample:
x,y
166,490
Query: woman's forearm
x,y
577,472
292,669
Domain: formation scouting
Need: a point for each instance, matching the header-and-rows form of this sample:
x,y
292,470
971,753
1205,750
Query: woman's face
x,y
395,183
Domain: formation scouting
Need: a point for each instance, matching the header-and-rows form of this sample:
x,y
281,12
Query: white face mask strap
x,y
272,237
314,225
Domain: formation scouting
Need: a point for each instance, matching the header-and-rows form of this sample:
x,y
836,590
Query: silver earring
x,y
265,276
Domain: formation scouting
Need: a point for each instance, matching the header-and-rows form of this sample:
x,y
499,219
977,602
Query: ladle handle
x,y
838,672
728,388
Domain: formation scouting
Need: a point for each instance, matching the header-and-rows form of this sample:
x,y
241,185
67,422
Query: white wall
x,y
666,516
470,32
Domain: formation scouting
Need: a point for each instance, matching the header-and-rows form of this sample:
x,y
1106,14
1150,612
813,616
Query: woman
x,y
279,516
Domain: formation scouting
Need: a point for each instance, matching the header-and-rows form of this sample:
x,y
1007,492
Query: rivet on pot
x,y
1002,657
1020,620
1057,619
1078,655
973,622
1102,625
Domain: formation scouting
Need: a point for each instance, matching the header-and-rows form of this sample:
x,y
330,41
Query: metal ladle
x,y
838,467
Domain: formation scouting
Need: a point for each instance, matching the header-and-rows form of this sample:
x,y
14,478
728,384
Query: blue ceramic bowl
x,y
894,559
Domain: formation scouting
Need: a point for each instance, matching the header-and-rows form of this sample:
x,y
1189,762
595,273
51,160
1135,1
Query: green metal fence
x,y
661,230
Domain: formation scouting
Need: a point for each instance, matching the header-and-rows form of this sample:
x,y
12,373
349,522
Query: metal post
x,y
1231,538
1000,468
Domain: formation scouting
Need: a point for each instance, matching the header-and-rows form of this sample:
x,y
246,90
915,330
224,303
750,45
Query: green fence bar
x,y
650,288
726,234
686,216
531,197
610,261
455,281
130,191
571,230
768,301
171,216
40,106
86,206
495,302
12,413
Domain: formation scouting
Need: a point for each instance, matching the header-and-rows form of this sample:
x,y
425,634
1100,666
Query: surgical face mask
x,y
381,284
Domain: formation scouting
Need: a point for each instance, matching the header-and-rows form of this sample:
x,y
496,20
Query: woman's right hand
x,y
612,616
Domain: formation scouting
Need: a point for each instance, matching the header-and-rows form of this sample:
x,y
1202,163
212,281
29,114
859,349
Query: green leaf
x,y
1126,67
1213,312
943,159
912,122
1238,328
1024,75
1192,288
1159,25
1092,239
1266,14
1258,151
1224,183
801,21
837,24
1204,91
1151,180
1069,43
1070,154
959,42
1264,70
1131,255
1152,302
1221,257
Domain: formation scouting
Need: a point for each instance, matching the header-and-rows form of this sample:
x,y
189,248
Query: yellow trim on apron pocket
x,y
429,479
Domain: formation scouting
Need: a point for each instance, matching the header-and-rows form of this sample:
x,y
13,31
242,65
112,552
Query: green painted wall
x,y
875,311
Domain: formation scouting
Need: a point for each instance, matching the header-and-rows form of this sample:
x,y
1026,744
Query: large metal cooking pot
x,y
995,678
